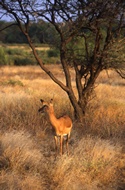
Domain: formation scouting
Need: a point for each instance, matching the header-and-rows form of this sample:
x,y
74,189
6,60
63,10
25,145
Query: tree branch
x,y
121,73
13,24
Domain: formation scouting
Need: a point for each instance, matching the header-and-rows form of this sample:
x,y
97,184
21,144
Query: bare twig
x,y
13,24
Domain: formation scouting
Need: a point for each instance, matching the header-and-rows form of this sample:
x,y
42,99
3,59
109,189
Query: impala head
x,y
46,106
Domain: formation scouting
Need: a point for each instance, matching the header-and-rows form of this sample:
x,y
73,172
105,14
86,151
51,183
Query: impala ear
x,y
51,101
41,101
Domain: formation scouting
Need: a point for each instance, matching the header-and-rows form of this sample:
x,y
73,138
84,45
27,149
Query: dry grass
x,y
20,161
27,155
26,47
92,166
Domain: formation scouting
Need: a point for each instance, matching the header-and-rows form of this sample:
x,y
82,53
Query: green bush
x,y
24,61
3,57
14,51
53,53
14,55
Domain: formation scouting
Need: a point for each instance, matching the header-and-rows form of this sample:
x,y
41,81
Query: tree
x,y
43,32
3,34
89,33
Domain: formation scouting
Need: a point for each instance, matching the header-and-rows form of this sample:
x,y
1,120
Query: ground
x,y
27,154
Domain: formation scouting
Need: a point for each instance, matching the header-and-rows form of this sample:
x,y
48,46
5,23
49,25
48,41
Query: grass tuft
x,y
22,159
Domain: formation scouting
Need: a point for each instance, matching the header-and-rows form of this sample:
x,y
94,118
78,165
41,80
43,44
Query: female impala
x,y
62,126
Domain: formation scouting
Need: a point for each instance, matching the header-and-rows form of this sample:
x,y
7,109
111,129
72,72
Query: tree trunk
x,y
84,93
78,111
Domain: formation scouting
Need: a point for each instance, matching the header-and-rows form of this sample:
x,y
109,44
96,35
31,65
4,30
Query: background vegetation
x,y
27,155
14,49
40,32
22,55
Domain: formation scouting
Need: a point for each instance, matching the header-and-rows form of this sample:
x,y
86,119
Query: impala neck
x,y
52,116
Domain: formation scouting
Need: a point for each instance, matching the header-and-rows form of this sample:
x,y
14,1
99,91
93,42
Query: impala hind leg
x,y
67,144
61,145
56,142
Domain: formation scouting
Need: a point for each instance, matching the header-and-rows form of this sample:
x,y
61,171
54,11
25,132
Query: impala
x,y
62,126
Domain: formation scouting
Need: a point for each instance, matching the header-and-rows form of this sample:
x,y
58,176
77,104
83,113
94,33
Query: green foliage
x,y
22,55
15,36
11,34
49,56
116,56
43,32
53,53
15,51
24,61
40,32
19,56
3,57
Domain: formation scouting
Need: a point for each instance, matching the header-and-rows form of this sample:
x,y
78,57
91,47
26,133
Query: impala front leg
x,y
61,144
56,142
67,144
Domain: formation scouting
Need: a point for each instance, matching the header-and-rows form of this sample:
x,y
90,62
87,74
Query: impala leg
x,y
61,144
56,142
67,144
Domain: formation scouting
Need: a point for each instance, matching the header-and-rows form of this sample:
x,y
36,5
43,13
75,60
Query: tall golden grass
x,y
27,155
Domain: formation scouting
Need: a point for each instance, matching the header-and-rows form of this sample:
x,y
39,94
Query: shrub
x,y
14,55
3,57
15,51
53,53
24,61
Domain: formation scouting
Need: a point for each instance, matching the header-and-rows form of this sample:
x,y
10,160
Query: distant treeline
x,y
40,32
